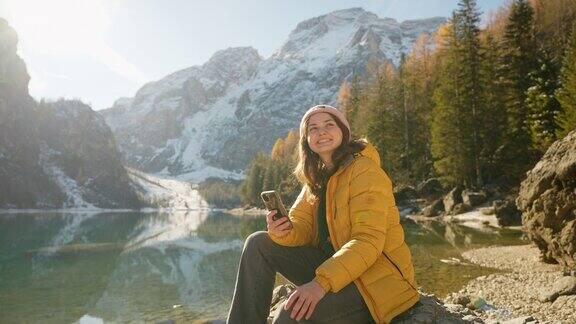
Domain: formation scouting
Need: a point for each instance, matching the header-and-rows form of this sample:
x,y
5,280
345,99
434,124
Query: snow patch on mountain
x,y
67,185
166,193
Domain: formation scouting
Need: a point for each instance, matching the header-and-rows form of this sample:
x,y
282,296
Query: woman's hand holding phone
x,y
280,227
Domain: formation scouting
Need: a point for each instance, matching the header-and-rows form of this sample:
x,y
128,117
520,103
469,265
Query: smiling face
x,y
323,136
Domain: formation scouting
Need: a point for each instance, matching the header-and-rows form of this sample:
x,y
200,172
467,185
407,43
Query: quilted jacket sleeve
x,y
301,215
371,200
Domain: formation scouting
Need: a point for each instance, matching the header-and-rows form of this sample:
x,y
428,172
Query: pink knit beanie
x,y
325,109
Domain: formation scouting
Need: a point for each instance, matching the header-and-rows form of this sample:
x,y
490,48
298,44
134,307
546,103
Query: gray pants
x,y
261,259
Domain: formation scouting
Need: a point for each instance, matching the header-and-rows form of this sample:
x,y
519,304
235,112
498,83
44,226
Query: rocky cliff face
x,y
22,180
210,120
547,199
78,152
54,155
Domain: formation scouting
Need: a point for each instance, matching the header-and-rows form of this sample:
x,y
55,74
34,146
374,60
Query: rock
x,y
404,193
547,199
463,300
280,293
562,286
569,272
452,198
435,209
460,208
473,319
479,303
565,302
409,209
430,310
455,308
487,210
452,260
546,295
472,199
507,213
430,188
520,320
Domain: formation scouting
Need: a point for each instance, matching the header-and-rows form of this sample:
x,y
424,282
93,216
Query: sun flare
x,y
59,25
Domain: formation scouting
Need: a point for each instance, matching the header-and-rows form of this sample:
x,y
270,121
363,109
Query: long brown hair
x,y
311,171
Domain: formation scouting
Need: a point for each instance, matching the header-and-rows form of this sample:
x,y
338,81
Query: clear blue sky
x,y
100,50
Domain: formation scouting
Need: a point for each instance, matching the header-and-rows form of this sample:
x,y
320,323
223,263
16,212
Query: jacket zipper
x,y
399,271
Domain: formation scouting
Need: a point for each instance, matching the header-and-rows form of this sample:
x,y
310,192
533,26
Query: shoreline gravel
x,y
514,293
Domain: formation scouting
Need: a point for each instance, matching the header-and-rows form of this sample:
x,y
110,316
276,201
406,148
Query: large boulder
x,y
452,198
547,199
403,194
506,213
435,209
472,198
460,208
430,188
563,286
431,310
428,310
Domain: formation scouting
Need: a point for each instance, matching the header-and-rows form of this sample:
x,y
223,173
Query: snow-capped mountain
x,y
210,120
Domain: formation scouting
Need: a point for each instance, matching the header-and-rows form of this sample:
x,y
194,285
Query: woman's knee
x,y
257,240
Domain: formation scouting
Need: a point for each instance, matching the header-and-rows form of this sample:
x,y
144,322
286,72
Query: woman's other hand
x,y
280,227
304,299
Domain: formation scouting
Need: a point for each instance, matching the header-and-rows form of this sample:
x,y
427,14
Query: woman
x,y
343,245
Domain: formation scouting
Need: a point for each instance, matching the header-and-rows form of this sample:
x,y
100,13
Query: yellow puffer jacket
x,y
364,228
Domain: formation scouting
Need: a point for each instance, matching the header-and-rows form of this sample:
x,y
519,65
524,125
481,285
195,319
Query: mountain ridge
x,y
210,119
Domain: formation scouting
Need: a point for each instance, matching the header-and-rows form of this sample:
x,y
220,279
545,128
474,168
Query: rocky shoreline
x,y
521,293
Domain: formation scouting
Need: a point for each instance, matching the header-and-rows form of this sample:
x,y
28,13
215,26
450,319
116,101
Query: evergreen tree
x,y
273,172
542,104
403,102
385,126
552,20
448,143
456,133
418,80
467,33
567,92
493,120
352,106
254,183
518,63
269,181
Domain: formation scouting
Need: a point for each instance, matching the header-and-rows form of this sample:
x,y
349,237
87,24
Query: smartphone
x,y
272,201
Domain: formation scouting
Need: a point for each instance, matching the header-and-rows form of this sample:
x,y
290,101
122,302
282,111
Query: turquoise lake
x,y
159,266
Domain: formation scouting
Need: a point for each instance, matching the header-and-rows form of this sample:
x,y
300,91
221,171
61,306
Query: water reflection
x,y
433,241
150,267
114,266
